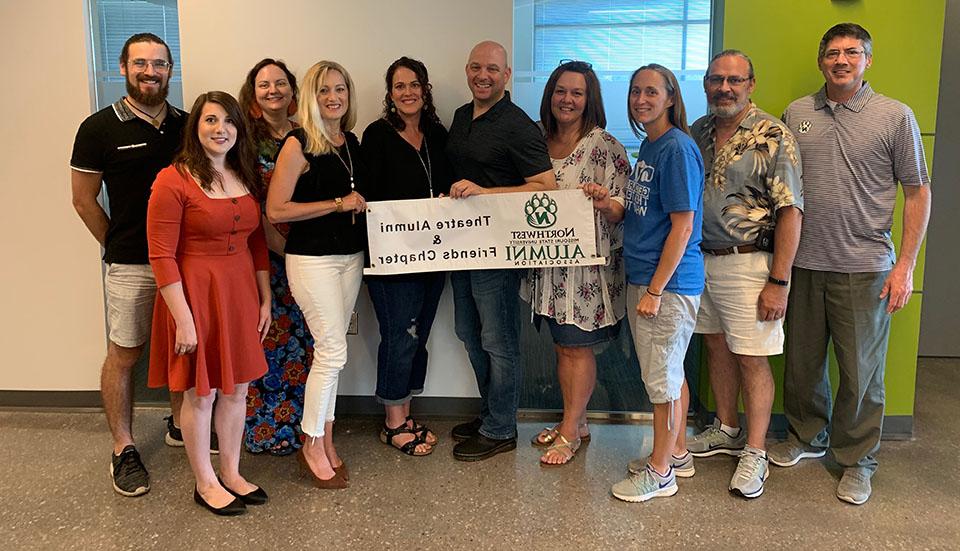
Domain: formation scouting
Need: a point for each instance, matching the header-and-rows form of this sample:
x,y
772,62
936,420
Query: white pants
x,y
326,289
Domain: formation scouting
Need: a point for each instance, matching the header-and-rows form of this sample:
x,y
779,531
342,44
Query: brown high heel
x,y
342,470
336,482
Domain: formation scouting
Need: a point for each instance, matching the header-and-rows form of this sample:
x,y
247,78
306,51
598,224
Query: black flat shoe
x,y
235,507
480,447
466,431
256,497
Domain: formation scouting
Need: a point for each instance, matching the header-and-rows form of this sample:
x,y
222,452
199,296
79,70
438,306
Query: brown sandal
x,y
410,448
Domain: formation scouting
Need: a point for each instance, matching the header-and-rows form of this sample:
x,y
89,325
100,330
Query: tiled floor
x,y
55,494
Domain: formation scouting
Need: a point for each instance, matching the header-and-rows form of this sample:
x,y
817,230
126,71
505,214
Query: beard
x,y
147,99
725,111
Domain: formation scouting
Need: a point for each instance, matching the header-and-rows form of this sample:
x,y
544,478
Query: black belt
x,y
740,249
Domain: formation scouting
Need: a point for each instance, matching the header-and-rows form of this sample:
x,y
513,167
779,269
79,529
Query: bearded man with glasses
x,y
847,281
752,205
123,147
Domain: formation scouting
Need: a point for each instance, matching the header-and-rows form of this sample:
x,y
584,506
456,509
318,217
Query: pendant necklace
x,y
349,168
153,118
427,166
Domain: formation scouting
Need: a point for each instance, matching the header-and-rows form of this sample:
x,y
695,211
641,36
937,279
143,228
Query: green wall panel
x,y
782,39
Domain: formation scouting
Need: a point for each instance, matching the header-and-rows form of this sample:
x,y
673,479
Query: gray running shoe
x,y
854,486
752,471
682,466
789,452
713,441
646,485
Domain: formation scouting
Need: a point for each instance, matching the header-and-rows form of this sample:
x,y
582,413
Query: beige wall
x,y
52,305
52,322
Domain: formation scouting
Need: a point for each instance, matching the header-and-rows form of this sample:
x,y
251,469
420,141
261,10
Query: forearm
x,y
263,286
177,303
275,241
786,238
613,212
290,211
916,214
94,218
673,249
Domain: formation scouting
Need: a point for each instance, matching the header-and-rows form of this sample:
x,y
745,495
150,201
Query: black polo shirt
x,y
499,148
129,152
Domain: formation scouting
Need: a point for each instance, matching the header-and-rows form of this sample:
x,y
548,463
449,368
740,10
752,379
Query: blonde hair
x,y
318,140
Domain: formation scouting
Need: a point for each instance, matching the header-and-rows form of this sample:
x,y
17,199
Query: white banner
x,y
498,230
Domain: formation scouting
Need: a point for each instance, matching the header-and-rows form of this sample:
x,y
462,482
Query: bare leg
x,y
231,410
397,416
724,378
577,373
195,416
681,447
314,453
665,434
116,391
328,448
758,391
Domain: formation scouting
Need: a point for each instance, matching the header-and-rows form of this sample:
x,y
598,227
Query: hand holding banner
x,y
497,230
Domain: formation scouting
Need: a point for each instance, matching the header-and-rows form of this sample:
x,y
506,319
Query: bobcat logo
x,y
541,211
804,127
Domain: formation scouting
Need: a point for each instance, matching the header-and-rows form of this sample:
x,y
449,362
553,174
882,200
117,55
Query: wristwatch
x,y
339,203
775,281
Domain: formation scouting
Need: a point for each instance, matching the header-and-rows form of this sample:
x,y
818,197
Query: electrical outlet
x,y
353,328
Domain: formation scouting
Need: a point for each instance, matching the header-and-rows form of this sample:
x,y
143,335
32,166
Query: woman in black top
x,y
315,187
405,153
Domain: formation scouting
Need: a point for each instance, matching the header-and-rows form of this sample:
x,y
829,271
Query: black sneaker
x,y
174,437
466,431
129,476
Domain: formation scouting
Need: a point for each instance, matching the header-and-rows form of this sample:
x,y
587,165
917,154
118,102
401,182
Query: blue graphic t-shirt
x,y
668,177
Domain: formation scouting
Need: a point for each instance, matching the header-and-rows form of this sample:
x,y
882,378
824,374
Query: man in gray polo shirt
x,y
856,145
752,205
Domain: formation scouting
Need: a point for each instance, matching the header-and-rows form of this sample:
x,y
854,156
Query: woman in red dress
x,y
209,256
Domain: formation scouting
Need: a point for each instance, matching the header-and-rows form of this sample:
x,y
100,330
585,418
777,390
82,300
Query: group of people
x,y
249,227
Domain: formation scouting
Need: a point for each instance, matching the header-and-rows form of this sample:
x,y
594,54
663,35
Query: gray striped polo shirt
x,y
853,155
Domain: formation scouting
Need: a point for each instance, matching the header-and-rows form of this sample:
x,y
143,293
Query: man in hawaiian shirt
x,y
751,225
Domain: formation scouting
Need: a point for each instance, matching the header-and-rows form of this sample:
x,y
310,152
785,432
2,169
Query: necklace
x,y
349,168
427,166
153,118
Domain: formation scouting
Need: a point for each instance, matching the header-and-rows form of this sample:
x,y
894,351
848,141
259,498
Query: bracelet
x,y
339,203
775,281
653,294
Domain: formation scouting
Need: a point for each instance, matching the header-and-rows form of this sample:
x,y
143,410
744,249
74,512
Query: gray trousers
x,y
846,309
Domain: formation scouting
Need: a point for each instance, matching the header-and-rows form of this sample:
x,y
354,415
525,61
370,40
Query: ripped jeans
x,y
406,306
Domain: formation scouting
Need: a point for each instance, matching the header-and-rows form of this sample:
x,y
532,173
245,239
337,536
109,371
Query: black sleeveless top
x,y
327,179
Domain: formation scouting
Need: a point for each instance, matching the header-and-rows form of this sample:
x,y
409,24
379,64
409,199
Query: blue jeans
x,y
405,307
486,321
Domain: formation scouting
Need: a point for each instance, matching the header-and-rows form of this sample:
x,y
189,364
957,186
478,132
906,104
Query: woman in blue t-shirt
x,y
664,264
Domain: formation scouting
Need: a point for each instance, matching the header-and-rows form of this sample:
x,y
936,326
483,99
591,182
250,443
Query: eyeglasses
x,y
732,80
159,65
852,54
576,62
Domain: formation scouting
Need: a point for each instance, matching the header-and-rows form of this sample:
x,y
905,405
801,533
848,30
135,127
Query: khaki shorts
x,y
729,304
662,342
131,291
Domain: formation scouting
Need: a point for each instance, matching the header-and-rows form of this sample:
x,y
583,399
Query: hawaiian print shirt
x,y
589,297
753,175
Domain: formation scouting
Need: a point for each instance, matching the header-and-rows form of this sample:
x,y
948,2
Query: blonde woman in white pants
x,y
316,188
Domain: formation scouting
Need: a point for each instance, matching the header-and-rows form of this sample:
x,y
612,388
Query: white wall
x,y
51,307
53,323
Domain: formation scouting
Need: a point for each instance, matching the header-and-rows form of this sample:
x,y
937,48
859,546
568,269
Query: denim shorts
x,y
571,336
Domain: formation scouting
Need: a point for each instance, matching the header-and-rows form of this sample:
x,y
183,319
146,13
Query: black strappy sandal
x,y
410,448
422,431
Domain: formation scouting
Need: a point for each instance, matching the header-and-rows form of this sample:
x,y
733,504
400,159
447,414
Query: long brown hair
x,y
676,113
593,113
248,98
193,158
428,115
